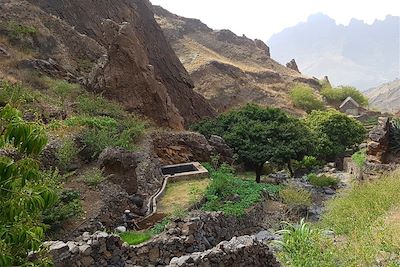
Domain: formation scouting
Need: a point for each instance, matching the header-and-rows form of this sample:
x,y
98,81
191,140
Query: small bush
x,y
158,228
18,31
92,177
85,65
322,180
135,238
67,153
303,97
68,206
93,122
297,199
360,158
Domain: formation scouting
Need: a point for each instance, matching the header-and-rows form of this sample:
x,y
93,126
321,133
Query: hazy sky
x,y
262,18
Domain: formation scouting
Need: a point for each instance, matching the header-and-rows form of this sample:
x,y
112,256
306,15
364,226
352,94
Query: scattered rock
x,y
120,229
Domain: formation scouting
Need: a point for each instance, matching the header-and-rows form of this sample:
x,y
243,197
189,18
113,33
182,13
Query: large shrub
x,y
334,132
303,96
261,134
339,94
23,193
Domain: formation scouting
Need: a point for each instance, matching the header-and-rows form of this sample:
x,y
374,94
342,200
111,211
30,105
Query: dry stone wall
x,y
200,232
239,251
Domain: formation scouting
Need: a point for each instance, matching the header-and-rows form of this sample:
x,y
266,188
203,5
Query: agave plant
x,y
395,136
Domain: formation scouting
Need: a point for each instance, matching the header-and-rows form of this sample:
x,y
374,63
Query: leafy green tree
x,y
261,134
23,194
335,132
339,94
303,97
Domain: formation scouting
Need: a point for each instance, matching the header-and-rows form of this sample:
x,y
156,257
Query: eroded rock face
x,y
293,65
181,147
135,64
378,144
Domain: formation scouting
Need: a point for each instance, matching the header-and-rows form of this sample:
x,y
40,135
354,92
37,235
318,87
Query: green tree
x,y
303,97
261,134
335,132
339,94
23,194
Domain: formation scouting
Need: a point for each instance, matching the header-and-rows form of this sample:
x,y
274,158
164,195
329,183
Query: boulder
x,y
181,147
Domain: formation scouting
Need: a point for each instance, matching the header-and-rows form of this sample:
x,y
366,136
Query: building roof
x,y
349,99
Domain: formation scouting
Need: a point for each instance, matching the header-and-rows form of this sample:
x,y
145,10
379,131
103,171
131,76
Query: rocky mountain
x,y
227,69
358,54
118,50
385,97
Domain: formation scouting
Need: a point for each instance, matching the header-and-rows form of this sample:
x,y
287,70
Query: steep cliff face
x,y
227,69
385,97
134,63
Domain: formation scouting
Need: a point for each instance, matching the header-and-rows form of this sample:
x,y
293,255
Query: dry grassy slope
x,y
386,97
227,69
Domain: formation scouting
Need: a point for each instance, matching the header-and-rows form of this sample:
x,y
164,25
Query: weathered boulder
x,y
378,144
120,168
181,147
3,51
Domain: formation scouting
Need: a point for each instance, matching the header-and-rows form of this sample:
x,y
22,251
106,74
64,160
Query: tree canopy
x,y
339,94
260,134
335,132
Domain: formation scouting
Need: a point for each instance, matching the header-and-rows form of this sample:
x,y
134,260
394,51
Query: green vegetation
x,y
23,193
339,94
16,94
303,96
68,206
303,246
92,177
96,105
135,238
334,132
181,195
67,153
297,199
365,220
261,134
322,180
306,165
395,136
18,31
233,195
360,158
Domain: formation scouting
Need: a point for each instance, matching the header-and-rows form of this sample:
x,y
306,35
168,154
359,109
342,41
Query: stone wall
x,y
200,232
239,251
378,144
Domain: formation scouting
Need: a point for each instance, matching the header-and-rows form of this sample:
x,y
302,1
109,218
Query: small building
x,y
350,107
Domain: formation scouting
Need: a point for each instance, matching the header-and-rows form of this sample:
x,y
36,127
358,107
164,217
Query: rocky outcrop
x,y
118,50
378,144
182,147
293,65
239,251
261,45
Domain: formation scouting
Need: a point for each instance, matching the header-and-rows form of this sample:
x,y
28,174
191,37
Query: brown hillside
x,y
229,70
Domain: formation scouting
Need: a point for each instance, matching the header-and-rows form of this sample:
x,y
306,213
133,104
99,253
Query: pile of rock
x,y
239,251
378,144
